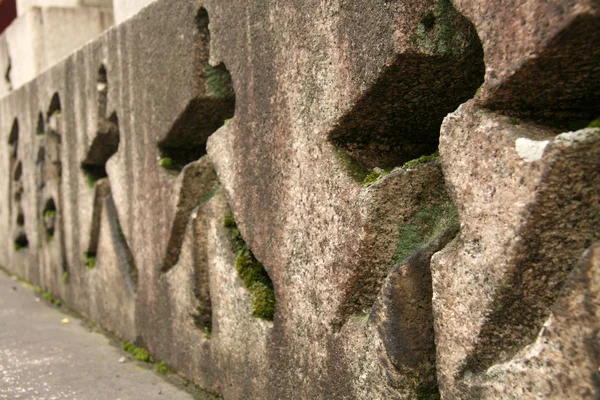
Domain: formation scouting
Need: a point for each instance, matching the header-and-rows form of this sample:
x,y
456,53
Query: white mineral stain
x,y
530,150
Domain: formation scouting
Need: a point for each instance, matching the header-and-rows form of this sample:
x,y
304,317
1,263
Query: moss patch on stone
x,y
421,160
595,123
352,167
49,213
375,176
424,225
218,82
48,297
162,368
89,260
139,353
65,277
166,163
252,272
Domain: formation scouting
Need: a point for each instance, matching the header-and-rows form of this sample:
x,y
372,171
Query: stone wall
x,y
324,200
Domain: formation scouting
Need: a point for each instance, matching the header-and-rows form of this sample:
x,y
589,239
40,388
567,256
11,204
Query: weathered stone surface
x,y
539,56
149,143
524,223
562,362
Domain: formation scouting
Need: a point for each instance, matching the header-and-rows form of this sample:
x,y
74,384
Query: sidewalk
x,y
42,358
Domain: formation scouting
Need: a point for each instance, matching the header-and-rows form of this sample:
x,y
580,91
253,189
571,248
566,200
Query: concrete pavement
x,y
42,358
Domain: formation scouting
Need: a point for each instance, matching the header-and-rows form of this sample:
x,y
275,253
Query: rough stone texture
x,y
539,56
569,338
149,143
524,224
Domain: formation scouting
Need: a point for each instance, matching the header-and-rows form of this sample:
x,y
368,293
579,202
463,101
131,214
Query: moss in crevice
x,y
424,225
166,163
21,242
47,296
252,272
93,173
355,169
65,277
375,176
89,260
595,123
218,82
203,321
162,368
139,353
421,160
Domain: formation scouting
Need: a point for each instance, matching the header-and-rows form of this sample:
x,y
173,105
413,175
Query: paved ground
x,y
44,359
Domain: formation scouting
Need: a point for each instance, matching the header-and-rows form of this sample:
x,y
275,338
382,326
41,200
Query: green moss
x,y
209,195
139,353
65,277
93,174
252,272
19,246
263,301
227,121
49,213
218,82
51,299
37,289
162,368
421,160
355,169
375,176
166,163
595,123
207,332
424,225
89,260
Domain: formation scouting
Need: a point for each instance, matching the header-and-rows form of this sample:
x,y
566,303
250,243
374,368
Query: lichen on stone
x,y
425,224
443,32
209,195
252,272
352,167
